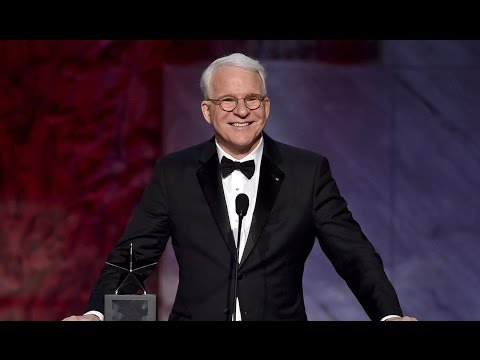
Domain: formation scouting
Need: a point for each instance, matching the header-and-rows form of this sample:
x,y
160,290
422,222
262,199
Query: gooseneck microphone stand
x,y
241,203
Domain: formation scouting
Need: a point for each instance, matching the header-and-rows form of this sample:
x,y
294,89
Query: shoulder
x,y
185,157
303,164
295,154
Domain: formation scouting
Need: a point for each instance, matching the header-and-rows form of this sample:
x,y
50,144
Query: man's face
x,y
237,131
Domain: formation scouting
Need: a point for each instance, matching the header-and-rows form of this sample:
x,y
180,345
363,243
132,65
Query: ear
x,y
267,107
205,105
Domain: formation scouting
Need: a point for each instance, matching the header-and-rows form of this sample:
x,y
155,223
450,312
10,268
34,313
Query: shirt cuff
x,y
97,313
389,317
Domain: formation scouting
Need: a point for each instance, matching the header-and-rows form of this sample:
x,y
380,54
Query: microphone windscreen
x,y
241,204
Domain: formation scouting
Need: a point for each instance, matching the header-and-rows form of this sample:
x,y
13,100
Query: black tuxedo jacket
x,y
297,201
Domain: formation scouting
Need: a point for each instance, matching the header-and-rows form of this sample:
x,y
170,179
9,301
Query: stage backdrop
x,y
82,122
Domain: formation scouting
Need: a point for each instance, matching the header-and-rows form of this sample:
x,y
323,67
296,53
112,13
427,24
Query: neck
x,y
239,152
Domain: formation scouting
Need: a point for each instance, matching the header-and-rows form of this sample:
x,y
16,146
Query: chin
x,y
244,142
245,139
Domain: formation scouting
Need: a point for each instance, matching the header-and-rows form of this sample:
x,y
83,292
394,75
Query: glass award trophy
x,y
130,301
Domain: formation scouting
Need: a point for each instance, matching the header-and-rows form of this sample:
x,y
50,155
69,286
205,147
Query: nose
x,y
241,109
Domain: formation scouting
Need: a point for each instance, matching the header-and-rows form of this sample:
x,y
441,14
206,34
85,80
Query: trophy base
x,y
130,307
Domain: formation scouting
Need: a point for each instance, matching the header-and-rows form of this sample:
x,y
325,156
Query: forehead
x,y
229,79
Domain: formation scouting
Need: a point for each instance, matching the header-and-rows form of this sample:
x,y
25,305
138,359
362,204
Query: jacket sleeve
x,y
349,250
148,232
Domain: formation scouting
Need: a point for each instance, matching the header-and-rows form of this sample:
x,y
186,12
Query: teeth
x,y
240,124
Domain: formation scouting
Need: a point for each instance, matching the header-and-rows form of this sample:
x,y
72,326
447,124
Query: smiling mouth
x,y
241,124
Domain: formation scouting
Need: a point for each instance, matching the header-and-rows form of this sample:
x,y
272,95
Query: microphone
x,y
241,204
241,207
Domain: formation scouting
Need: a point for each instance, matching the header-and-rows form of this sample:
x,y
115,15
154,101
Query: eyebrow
x,y
250,94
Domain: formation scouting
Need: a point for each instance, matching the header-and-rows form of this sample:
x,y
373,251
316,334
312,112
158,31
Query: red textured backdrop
x,y
80,128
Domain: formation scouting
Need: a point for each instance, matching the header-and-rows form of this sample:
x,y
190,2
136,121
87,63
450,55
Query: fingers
x,y
403,318
82,318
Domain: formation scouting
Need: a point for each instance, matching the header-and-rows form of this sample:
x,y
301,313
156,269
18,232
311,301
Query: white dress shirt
x,y
237,183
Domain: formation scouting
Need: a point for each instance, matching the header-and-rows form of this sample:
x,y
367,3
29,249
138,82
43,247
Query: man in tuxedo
x,y
290,198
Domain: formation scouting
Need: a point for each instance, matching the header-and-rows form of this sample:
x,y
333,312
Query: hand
x,y
89,317
403,318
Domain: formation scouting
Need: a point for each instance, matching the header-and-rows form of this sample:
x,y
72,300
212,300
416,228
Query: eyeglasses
x,y
229,103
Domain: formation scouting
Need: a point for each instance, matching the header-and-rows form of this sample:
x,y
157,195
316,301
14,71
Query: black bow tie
x,y
227,166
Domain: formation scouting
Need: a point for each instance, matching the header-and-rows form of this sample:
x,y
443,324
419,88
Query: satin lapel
x,y
209,178
270,181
